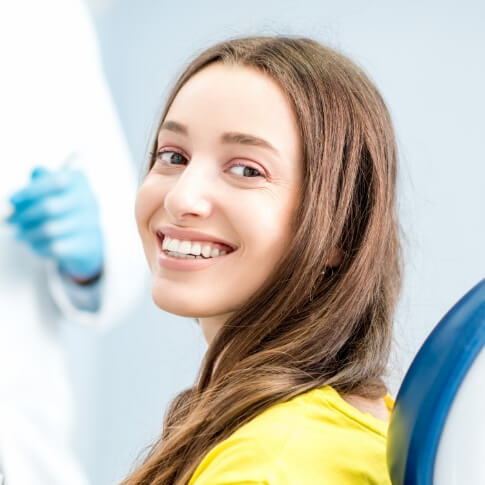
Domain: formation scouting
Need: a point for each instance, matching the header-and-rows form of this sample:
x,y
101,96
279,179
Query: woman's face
x,y
215,210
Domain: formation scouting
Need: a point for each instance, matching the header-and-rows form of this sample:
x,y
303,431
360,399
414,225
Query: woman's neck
x,y
211,325
376,407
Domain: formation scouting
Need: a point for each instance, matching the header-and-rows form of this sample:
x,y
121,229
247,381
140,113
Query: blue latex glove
x,y
58,216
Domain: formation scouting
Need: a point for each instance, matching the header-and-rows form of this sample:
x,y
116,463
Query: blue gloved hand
x,y
58,216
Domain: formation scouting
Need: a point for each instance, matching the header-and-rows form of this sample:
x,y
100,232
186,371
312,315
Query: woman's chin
x,y
182,304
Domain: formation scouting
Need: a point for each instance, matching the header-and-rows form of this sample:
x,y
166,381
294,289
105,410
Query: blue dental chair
x,y
437,431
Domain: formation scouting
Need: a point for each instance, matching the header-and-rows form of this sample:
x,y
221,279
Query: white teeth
x,y
196,249
185,247
190,250
206,251
173,245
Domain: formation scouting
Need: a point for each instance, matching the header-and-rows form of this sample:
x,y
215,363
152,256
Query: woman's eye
x,y
169,157
245,171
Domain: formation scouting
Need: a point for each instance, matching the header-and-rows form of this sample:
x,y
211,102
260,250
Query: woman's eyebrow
x,y
175,127
229,137
246,139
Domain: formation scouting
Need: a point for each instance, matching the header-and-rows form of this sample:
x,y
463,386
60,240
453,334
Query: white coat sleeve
x,y
104,157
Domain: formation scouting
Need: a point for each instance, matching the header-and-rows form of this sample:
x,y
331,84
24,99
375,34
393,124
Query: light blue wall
x,y
427,58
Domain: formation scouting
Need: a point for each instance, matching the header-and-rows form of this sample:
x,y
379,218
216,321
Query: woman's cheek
x,y
267,230
144,208
146,201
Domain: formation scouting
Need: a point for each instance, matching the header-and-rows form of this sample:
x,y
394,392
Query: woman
x,y
268,213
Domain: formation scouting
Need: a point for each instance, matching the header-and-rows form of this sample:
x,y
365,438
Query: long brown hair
x,y
310,325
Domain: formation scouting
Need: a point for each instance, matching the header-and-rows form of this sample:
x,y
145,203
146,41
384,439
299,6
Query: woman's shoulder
x,y
314,435
324,409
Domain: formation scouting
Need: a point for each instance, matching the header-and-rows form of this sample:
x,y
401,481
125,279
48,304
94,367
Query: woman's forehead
x,y
232,98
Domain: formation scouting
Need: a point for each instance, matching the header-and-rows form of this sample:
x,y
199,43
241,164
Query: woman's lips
x,y
192,235
176,263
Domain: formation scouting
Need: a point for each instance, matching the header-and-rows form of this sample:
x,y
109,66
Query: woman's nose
x,y
190,194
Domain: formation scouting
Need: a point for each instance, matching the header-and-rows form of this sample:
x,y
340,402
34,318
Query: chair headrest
x,y
430,387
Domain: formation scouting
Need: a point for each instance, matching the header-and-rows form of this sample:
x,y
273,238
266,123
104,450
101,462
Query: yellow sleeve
x,y
236,461
230,483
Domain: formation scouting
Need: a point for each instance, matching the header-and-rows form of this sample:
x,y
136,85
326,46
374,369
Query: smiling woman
x,y
268,213
231,186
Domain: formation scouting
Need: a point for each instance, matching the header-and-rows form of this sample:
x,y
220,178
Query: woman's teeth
x,y
190,249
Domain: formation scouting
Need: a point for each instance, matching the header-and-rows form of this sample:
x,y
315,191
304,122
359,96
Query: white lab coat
x,y
53,101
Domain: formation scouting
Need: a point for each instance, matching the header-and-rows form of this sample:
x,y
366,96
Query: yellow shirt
x,y
315,438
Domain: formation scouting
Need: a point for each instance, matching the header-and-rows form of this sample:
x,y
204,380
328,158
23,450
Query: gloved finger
x,y
53,229
70,247
80,256
39,172
45,208
41,186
